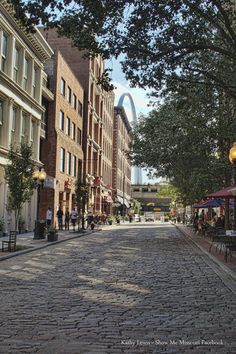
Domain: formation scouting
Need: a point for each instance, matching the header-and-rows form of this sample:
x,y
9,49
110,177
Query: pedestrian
x,y
59,218
49,216
90,219
67,219
73,218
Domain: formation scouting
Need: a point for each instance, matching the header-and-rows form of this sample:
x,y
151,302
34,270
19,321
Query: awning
x,y
126,203
122,201
228,192
119,199
211,203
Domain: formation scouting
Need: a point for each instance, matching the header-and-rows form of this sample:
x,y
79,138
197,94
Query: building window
x,y
68,126
74,102
16,64
32,131
73,131
80,108
61,120
13,126
79,136
68,170
34,83
1,112
23,126
63,87
69,94
4,51
62,160
74,166
26,71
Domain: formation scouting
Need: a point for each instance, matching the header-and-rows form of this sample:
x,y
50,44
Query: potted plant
x,y
1,227
110,219
52,234
118,219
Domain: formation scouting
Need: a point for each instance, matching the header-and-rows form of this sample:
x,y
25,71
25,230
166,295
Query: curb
x,y
32,249
223,272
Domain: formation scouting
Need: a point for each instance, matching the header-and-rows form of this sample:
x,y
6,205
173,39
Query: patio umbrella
x,y
210,203
226,193
229,192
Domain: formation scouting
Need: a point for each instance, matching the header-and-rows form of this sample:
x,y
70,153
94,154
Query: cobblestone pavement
x,y
128,290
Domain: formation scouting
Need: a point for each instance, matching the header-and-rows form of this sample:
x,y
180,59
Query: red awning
x,y
228,192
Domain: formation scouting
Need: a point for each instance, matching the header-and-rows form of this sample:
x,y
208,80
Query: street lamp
x,y
232,159
123,208
39,177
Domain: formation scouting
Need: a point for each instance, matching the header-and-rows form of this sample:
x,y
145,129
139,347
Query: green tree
x,y
175,38
81,192
187,140
18,175
167,190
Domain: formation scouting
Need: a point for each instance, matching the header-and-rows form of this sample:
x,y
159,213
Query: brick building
x,y
122,136
98,115
61,151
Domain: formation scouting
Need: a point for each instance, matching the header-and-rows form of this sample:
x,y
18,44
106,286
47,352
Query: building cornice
x,y
36,41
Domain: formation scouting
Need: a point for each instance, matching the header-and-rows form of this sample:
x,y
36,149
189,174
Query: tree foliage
x,y
162,41
187,140
18,175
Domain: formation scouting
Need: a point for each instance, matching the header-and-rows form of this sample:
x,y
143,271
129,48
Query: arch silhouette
x,y
120,103
137,170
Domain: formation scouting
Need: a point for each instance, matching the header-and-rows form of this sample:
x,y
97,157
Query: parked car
x,y
149,217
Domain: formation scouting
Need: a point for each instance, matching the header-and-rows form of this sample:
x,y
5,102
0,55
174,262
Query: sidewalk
x,y
204,244
29,244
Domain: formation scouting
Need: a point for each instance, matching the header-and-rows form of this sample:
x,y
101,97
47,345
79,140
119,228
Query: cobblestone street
x,y
130,289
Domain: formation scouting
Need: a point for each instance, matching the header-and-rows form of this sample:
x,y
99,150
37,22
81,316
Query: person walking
x,y
59,218
73,218
49,217
67,219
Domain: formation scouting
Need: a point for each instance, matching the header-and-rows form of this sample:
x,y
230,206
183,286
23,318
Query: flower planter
x,y
52,236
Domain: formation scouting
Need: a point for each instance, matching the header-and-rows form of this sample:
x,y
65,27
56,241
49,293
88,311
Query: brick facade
x,y
122,136
98,118
62,150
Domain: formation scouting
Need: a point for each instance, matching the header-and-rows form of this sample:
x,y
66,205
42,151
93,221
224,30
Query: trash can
x,y
40,230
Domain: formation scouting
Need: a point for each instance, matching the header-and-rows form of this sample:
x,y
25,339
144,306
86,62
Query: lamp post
x,y
232,159
123,209
39,177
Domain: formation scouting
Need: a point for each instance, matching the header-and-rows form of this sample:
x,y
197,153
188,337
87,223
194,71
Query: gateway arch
x,y
137,170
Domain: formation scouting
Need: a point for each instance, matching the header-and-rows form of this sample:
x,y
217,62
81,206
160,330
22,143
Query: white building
x,y
22,85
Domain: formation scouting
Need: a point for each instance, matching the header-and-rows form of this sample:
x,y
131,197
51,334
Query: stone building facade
x,y
22,77
61,151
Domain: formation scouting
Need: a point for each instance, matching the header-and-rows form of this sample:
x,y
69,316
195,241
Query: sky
x,y
139,96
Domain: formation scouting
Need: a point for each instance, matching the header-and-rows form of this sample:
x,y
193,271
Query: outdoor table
x,y
228,242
